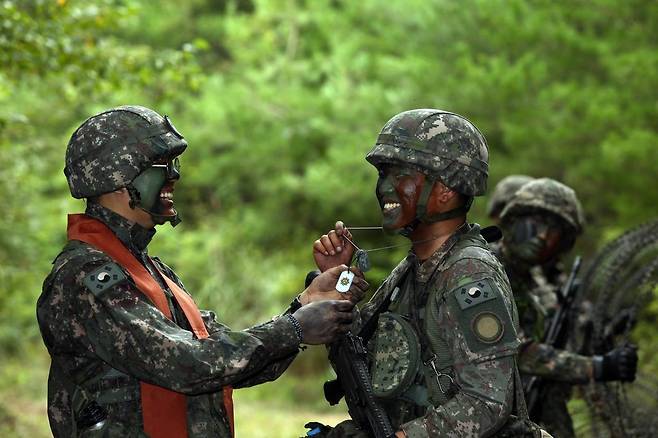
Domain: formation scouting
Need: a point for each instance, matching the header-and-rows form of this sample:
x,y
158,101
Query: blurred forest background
x,y
280,101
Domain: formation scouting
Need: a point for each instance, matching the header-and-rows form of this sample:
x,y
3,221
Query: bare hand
x,y
323,287
332,249
322,322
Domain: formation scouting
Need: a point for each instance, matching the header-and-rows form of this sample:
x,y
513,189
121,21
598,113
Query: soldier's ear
x,y
442,193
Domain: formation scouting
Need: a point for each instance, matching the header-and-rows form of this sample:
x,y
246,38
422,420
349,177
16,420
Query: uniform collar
x,y
425,270
130,233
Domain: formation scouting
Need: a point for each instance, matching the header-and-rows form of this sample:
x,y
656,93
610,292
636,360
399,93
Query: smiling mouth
x,y
390,206
167,197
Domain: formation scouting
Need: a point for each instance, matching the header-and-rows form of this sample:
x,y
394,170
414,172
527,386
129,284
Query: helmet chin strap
x,y
158,219
421,210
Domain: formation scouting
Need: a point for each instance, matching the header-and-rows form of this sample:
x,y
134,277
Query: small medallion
x,y
344,281
362,260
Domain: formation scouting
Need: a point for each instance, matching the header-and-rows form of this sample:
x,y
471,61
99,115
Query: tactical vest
x,y
411,360
164,411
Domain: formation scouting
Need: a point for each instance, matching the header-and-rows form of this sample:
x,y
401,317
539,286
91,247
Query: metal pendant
x,y
362,260
344,281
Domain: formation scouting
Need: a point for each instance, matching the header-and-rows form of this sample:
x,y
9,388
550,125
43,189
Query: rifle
x,y
556,335
349,357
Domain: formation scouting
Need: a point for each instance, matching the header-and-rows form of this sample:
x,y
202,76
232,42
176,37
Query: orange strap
x,y
164,411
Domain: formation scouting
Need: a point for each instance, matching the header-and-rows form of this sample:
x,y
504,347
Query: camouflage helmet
x,y
547,195
111,148
504,191
441,144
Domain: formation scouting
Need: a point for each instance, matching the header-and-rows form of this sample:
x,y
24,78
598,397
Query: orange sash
x,y
164,411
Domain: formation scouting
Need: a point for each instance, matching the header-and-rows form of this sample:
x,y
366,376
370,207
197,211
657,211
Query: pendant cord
x,y
383,247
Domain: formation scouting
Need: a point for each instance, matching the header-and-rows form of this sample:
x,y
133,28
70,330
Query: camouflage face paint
x,y
156,187
149,183
398,190
534,239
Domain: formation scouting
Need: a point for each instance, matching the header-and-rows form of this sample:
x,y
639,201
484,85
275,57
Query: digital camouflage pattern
x,y
395,355
504,191
111,148
103,344
441,144
547,195
483,394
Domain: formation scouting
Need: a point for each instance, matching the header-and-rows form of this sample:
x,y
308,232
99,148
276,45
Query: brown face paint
x,y
398,190
551,238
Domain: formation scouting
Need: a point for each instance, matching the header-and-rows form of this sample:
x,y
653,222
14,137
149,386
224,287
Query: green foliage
x,y
280,101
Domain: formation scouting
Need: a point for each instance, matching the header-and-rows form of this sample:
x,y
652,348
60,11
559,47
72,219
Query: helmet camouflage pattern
x,y
547,195
111,148
504,191
441,144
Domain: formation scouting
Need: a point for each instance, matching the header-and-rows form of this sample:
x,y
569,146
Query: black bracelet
x,y
298,328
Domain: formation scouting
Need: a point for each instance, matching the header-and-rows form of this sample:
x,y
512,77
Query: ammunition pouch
x,y
396,353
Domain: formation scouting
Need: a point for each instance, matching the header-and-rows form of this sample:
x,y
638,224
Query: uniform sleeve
x,y
478,325
122,327
545,361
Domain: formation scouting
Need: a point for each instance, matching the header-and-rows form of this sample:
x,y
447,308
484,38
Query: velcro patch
x,y
475,293
483,315
104,277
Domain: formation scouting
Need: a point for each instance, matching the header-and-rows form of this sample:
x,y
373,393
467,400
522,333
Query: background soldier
x,y
503,192
131,353
443,355
540,224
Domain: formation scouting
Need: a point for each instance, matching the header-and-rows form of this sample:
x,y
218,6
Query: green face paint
x,y
398,191
149,183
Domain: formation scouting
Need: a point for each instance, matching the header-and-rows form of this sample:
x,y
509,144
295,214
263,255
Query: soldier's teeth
x,y
391,205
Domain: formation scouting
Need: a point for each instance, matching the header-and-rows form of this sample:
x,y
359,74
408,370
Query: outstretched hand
x,y
322,322
323,287
333,249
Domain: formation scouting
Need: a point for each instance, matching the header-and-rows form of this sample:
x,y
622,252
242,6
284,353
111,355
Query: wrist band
x,y
298,328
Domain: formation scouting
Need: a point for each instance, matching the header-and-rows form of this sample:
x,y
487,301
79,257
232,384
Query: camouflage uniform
x,y
535,289
443,354
431,295
103,343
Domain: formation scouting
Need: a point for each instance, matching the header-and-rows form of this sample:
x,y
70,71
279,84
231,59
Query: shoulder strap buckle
x,y
438,374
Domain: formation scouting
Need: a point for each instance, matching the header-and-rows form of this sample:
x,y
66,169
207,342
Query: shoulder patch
x,y
104,277
474,293
483,315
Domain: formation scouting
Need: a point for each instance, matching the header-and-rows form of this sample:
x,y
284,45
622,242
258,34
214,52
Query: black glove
x,y
618,364
317,430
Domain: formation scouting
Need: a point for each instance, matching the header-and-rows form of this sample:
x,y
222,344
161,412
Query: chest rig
x,y
410,359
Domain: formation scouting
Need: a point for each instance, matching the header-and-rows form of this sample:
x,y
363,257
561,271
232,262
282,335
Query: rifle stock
x,y
348,355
